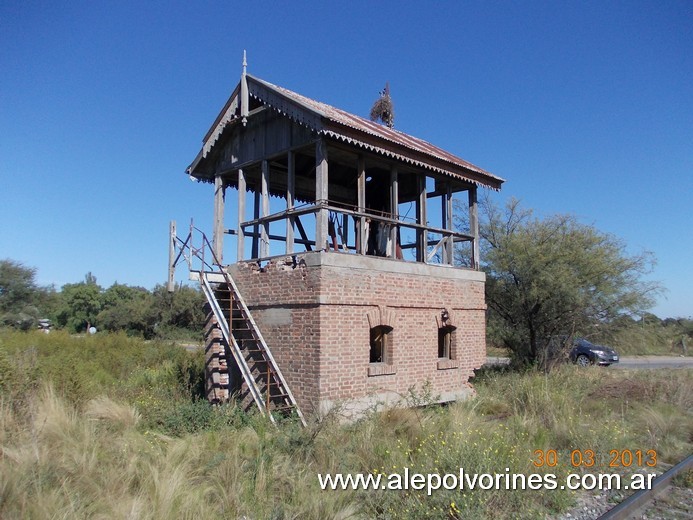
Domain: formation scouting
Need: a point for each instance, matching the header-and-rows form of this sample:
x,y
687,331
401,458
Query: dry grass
x,y
67,464
107,458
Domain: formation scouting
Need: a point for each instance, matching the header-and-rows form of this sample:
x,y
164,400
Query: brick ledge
x,y
381,369
447,364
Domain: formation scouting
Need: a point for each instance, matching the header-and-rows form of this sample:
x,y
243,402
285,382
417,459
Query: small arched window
x,y
380,343
446,342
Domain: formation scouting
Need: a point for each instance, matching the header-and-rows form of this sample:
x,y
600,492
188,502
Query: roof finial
x,y
245,101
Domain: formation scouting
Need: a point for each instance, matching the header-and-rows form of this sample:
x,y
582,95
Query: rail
x,y
204,264
637,501
441,243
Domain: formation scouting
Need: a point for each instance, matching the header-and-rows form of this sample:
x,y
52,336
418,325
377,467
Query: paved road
x,y
628,362
641,362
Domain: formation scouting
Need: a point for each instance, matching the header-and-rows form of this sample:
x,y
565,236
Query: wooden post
x,y
321,193
218,230
421,219
394,210
264,228
447,224
474,226
171,256
361,208
256,215
240,235
345,233
290,188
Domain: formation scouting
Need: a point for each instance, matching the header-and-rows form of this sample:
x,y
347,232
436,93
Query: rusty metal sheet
x,y
374,132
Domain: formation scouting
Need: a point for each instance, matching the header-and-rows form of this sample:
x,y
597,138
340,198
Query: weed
x,y
126,435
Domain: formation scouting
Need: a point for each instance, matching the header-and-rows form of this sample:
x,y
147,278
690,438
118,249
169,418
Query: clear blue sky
x,y
584,107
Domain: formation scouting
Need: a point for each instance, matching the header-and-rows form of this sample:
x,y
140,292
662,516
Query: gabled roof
x,y
341,125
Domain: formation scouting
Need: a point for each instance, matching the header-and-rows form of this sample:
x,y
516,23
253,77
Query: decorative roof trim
x,y
341,125
227,115
410,160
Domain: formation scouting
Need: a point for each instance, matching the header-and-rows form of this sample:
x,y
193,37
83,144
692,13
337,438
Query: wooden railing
x,y
431,244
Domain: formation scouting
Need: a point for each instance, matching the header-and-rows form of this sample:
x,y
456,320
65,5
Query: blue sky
x,y
584,107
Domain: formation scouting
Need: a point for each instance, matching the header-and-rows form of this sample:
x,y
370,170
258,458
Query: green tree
x,y
553,277
128,308
20,297
81,304
181,310
17,285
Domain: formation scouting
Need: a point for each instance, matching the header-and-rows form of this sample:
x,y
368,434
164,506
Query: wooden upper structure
x,y
340,167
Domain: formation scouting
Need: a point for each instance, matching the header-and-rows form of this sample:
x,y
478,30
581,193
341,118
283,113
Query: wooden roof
x,y
342,126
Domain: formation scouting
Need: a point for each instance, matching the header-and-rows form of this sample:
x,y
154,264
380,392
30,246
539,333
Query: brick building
x,y
345,244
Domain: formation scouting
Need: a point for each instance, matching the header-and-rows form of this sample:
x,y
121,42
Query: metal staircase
x,y
260,372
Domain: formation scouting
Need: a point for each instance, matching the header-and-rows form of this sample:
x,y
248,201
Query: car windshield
x,y
584,343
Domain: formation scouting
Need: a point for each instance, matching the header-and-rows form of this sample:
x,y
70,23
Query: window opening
x,y
445,342
380,342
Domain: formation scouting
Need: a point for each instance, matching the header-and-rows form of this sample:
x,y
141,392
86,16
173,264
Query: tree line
x,y
551,279
78,306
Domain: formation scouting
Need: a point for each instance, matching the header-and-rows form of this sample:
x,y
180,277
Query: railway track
x,y
664,501
641,502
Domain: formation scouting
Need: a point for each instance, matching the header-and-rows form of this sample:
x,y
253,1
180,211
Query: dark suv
x,y
585,353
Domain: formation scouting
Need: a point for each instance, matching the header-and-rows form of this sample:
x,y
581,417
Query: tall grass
x,y
138,444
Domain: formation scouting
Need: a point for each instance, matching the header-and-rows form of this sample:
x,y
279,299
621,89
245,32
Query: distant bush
x,y
78,306
80,368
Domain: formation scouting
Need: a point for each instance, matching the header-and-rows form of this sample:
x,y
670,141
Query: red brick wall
x,y
315,319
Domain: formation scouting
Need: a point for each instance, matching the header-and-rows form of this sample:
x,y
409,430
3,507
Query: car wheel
x,y
583,360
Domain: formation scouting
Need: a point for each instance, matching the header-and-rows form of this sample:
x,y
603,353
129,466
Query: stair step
x,y
283,408
260,371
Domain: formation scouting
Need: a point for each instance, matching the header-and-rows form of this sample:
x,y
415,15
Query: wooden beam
x,y
340,210
281,215
256,227
218,229
304,188
290,188
394,209
264,194
449,245
345,232
240,235
361,238
321,194
171,256
421,219
474,226
433,252
431,243
302,232
275,237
